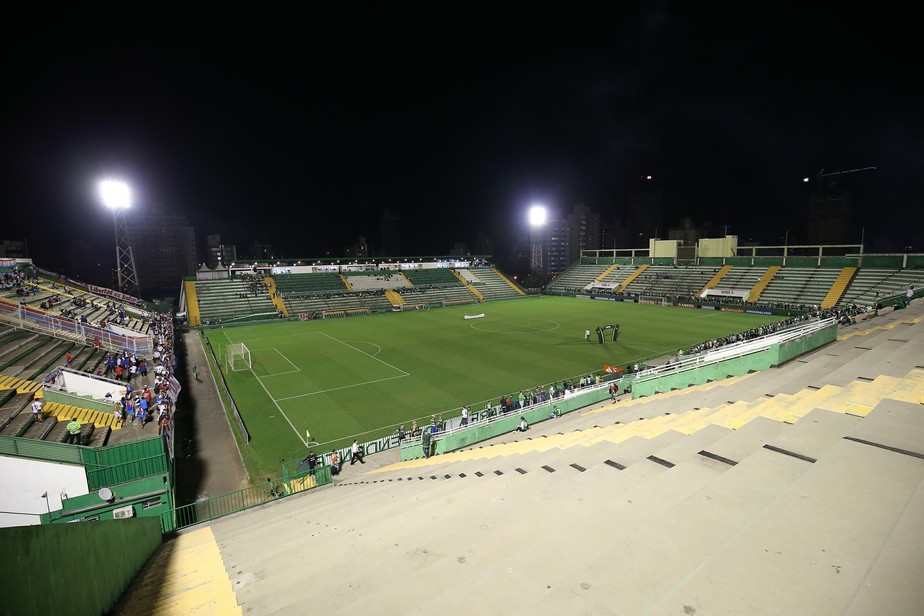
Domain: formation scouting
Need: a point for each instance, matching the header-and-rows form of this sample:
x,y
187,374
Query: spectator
x,y
524,426
334,463
73,432
425,443
37,414
356,453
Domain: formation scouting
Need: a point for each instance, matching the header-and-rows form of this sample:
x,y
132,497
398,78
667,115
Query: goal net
x,y
237,357
657,300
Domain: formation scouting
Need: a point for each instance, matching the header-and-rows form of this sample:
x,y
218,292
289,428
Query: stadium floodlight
x,y
537,218
117,196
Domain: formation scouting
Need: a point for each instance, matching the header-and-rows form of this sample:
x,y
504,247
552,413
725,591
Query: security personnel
x,y
73,431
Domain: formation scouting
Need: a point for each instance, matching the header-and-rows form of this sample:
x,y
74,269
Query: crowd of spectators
x,y
845,315
145,400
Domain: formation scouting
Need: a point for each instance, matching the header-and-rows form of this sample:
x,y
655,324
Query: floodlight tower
x,y
117,196
537,217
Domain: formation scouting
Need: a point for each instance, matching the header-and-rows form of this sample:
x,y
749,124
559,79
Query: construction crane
x,y
822,174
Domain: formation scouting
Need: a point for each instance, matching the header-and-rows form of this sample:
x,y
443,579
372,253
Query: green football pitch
x,y
360,377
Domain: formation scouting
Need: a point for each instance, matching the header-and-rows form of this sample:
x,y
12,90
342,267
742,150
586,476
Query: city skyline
x,y
298,129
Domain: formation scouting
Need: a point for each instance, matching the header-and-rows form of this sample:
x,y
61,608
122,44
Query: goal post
x,y
237,357
656,300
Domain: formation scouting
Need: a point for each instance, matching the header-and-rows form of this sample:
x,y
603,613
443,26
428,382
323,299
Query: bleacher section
x,y
868,282
57,298
434,287
797,490
235,299
317,293
807,286
490,284
667,280
578,276
784,285
740,278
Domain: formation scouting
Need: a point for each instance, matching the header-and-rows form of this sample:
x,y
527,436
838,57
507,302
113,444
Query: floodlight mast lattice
x,y
117,196
537,217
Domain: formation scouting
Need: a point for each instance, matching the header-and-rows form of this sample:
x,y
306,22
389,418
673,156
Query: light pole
x,y
117,196
537,218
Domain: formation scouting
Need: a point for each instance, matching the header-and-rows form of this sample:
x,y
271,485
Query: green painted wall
x,y
774,356
73,569
800,346
704,374
483,432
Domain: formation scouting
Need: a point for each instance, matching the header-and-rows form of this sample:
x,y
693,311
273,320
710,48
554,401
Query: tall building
x,y
218,254
13,249
260,250
584,231
390,231
359,249
163,245
550,247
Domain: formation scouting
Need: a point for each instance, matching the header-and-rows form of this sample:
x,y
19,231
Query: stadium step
x,y
799,539
185,576
66,412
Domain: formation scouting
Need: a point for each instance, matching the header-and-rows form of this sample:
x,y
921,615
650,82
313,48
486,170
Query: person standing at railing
x,y
356,453
425,442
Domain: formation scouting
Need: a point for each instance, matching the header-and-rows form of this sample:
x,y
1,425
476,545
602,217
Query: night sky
x,y
298,125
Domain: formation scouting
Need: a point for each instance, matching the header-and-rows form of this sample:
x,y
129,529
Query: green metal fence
x,y
253,496
128,471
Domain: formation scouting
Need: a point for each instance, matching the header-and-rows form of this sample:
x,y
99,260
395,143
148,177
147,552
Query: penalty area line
x,y
324,391
281,412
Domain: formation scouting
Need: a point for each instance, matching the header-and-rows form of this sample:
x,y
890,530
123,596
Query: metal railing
x,y
216,507
733,350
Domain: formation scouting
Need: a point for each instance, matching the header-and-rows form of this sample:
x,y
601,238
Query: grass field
x,y
361,377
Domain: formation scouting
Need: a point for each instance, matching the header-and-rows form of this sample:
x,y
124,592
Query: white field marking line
x,y
324,391
287,336
283,413
403,373
373,344
534,331
297,369
268,395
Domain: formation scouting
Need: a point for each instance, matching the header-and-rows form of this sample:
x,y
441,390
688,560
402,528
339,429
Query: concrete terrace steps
x,y
799,537
858,398
437,501
186,575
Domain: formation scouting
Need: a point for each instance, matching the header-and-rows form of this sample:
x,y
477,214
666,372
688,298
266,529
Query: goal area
x,y
655,300
237,357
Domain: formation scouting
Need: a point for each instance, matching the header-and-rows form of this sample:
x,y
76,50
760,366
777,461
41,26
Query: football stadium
x,y
641,435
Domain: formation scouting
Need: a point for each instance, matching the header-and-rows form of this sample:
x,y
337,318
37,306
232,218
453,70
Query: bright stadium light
x,y
115,194
537,218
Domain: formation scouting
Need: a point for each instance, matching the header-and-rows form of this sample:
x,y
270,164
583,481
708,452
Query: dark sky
x,y
299,124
